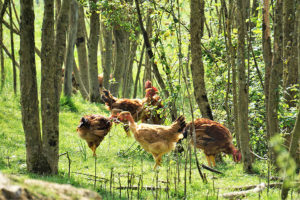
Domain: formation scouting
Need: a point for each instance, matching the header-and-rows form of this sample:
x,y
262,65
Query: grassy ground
x,y
119,157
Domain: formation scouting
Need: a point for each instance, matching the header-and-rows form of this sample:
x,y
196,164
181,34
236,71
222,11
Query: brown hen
x,y
155,139
213,138
93,129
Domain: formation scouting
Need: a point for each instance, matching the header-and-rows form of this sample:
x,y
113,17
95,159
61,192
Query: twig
x,y
211,169
90,175
69,160
262,158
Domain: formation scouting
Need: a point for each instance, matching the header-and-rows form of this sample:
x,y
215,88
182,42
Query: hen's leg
x,y
212,158
208,160
127,130
156,158
94,149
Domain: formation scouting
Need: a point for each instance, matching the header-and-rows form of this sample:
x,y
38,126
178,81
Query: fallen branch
x,y
262,158
257,189
211,169
151,188
248,187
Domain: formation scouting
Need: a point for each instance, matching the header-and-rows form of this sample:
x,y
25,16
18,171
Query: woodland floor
x,y
120,161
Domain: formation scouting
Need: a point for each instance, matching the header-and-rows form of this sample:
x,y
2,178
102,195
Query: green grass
x,y
114,155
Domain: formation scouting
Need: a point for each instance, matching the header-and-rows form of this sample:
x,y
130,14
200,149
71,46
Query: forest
x,y
149,99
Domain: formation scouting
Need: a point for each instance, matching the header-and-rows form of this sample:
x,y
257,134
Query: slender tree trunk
x,y
78,79
81,48
93,49
1,51
290,69
120,41
70,48
129,80
108,56
138,72
147,72
12,48
197,68
276,75
35,160
128,47
267,55
243,89
154,65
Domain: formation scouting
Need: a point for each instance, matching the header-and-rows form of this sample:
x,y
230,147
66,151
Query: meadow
x,y
120,161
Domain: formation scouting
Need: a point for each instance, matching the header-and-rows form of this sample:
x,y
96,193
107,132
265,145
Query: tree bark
x,y
12,48
243,89
267,54
129,80
138,71
81,48
120,41
50,137
92,54
108,56
290,69
147,72
197,68
70,48
1,50
35,160
276,75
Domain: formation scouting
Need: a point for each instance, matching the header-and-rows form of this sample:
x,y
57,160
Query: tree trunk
x,y
50,137
243,89
120,40
81,48
232,53
197,68
78,79
267,55
138,72
147,72
290,70
70,48
93,50
1,51
129,80
12,48
276,75
108,56
35,160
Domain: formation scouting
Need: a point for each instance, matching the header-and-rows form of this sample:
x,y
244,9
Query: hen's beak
x,y
80,125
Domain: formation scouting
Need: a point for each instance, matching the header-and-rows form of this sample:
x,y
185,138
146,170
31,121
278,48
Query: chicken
x,y
93,129
155,139
134,106
213,138
151,104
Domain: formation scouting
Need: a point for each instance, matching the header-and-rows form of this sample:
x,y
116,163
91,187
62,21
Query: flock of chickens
x,y
210,136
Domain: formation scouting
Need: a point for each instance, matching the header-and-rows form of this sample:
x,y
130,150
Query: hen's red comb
x,y
148,84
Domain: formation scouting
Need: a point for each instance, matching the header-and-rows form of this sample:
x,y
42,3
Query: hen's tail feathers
x,y
180,121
